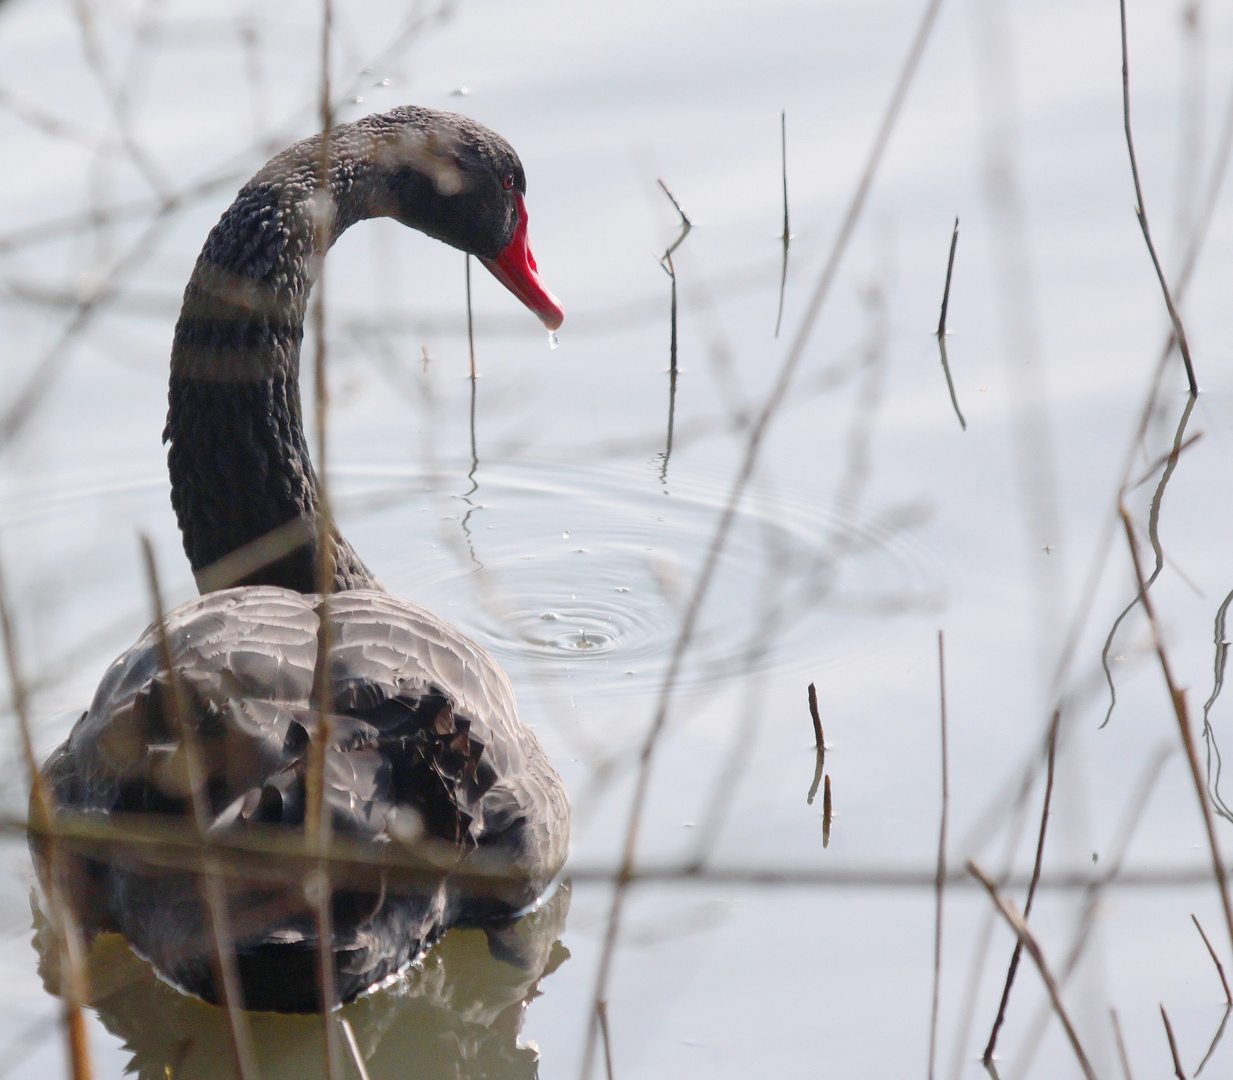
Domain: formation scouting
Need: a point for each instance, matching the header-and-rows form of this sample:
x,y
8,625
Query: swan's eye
x,y
508,182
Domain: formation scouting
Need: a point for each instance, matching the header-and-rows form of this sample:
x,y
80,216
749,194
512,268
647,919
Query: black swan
x,y
426,744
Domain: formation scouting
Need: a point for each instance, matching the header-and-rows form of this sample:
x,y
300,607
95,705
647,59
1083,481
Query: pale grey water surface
x,y
569,549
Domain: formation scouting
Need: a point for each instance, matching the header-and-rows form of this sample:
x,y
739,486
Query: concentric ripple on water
x,y
583,571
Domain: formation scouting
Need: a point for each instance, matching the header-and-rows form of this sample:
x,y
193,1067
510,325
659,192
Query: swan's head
x,y
459,182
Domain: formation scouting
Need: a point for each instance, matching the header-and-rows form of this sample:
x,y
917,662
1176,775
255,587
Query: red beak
x,y
515,269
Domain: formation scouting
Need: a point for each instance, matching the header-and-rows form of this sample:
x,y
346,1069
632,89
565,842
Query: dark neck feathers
x,y
238,459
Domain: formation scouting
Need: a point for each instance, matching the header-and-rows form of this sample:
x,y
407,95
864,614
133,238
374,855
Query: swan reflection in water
x,y
456,1013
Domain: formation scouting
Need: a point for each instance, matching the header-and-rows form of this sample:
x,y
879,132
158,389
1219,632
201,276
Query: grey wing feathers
x,y
425,728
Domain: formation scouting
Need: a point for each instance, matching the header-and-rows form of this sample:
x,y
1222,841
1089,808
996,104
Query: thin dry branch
x,y
1228,997
1178,699
1121,1046
317,820
602,1010
1133,811
670,269
819,740
238,1031
1177,1061
74,989
787,232
819,745
940,886
941,331
1179,330
1015,921
1153,532
991,1046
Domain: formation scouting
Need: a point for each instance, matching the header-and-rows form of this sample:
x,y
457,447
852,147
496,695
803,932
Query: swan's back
x,y
426,741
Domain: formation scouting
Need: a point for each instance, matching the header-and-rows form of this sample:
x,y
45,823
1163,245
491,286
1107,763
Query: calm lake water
x,y
558,532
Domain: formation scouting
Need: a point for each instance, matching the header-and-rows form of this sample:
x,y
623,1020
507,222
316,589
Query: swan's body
x,y
426,741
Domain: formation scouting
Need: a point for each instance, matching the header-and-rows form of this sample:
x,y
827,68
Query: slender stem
x,y
74,985
670,269
1015,921
1015,956
1121,1046
239,1034
1178,1071
787,232
1178,699
602,1011
1228,995
1179,330
941,331
317,819
940,881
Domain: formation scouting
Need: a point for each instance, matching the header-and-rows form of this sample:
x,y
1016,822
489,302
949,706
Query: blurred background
x,y
560,507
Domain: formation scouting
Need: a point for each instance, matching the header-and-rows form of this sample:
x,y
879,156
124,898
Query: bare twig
x,y
317,817
1153,532
686,224
940,886
1132,814
1177,1061
787,232
1211,1048
819,741
1228,997
1015,921
819,744
1015,956
602,1011
1179,330
670,269
1178,699
941,331
74,989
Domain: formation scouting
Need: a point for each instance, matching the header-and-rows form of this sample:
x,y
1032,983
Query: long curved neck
x,y
238,459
